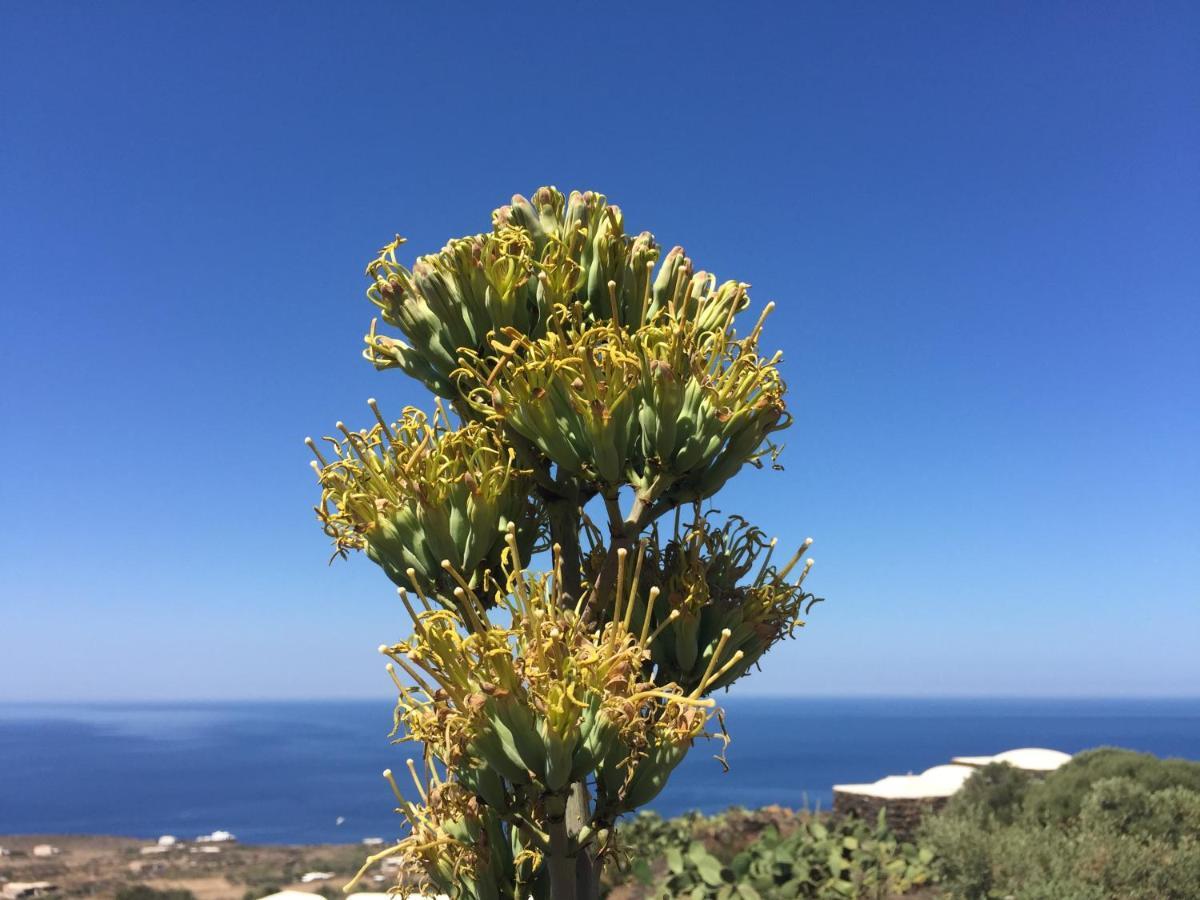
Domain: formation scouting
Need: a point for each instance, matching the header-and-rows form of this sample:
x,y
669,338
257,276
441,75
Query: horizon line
x,y
114,701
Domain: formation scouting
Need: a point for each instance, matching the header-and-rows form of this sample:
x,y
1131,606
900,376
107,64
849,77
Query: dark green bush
x,y
1129,836
965,853
1060,796
997,790
1115,805
975,861
1174,814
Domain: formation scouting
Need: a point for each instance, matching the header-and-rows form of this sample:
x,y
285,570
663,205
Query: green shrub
x,y
715,858
1060,796
1174,814
997,790
1129,836
964,853
977,861
1115,805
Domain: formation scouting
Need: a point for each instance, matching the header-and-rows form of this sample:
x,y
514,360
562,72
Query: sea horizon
x,y
286,771
751,695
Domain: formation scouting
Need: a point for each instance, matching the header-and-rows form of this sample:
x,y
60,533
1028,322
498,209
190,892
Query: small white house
x,y
168,840
310,877
908,798
45,850
217,837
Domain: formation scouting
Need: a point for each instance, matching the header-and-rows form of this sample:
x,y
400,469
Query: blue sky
x,y
979,223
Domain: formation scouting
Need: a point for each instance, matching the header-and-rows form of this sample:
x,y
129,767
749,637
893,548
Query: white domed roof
x,y
949,774
1031,759
940,781
1035,758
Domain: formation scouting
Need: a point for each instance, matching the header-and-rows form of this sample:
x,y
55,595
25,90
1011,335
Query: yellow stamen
x,y
726,634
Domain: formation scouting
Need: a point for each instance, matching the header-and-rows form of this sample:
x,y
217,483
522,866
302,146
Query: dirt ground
x,y
99,867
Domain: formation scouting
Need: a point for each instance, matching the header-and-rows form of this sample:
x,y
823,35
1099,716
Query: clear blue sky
x,y
980,223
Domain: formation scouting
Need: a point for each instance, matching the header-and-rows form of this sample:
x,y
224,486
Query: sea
x,y
309,772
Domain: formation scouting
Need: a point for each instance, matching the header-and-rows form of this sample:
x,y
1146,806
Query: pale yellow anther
x,y
726,634
675,614
619,590
808,564
733,661
312,445
412,770
653,596
391,780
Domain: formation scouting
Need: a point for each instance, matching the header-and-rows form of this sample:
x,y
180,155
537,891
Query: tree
x,y
575,384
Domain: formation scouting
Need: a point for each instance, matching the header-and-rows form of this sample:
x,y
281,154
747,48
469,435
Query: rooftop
x,y
1031,759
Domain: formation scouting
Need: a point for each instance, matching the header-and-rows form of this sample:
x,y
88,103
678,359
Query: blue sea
x,y
286,772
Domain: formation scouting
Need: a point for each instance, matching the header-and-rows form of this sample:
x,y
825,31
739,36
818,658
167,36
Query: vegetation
x,y
1060,798
1109,824
590,387
752,856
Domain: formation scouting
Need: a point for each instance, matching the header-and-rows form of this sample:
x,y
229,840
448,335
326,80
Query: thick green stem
x,y
563,513
587,867
572,865
560,863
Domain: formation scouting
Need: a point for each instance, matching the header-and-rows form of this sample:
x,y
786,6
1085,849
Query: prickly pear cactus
x,y
565,643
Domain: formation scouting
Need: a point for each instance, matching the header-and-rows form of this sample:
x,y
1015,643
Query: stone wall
x,y
904,815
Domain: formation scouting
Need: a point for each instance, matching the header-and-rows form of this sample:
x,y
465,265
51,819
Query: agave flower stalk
x,y
583,362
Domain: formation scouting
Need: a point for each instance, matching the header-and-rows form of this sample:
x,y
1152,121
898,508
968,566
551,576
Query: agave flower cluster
x,y
516,714
415,492
573,363
670,408
721,596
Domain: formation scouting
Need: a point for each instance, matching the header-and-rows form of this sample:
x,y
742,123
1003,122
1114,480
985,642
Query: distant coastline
x,y
100,865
